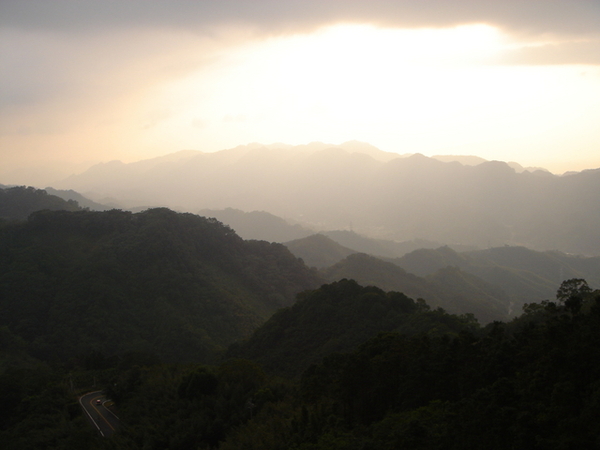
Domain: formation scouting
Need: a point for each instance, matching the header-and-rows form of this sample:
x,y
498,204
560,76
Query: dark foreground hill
x,y
338,317
441,383
180,286
529,384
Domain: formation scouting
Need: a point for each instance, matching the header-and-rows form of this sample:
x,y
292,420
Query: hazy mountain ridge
x,y
80,199
494,283
18,202
469,160
400,198
319,250
259,225
456,291
525,275
266,226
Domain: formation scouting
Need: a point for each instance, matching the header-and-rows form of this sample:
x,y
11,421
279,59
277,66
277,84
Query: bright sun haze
x,y
79,87
430,91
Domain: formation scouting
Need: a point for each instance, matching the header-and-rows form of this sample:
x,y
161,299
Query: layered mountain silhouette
x,y
378,194
525,275
18,202
450,288
493,283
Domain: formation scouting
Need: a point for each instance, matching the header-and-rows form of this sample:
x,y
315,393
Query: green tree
x,y
572,292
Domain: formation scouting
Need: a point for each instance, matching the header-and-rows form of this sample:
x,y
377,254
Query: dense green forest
x,y
438,381
338,317
532,383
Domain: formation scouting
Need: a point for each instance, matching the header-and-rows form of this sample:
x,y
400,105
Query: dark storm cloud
x,y
533,16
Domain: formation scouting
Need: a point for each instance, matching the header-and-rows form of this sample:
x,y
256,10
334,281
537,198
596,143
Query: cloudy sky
x,y
88,81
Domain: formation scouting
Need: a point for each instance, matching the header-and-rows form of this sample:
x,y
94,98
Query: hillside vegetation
x,y
531,383
338,317
177,285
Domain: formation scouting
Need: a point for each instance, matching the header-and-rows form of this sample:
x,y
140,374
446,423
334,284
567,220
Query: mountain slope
x,y
257,225
16,203
318,250
80,199
377,247
525,275
177,285
456,291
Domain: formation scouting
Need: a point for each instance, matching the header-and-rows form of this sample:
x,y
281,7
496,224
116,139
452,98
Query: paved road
x,y
104,420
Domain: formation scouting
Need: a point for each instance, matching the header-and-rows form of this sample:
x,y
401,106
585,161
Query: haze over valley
x,y
460,201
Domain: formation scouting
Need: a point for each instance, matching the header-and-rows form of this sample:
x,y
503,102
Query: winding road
x,y
103,419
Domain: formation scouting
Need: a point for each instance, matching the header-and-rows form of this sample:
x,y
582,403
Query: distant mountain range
x,y
525,275
494,284
355,186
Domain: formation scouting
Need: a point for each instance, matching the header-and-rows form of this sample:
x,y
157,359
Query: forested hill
x,y
16,203
338,317
529,384
177,285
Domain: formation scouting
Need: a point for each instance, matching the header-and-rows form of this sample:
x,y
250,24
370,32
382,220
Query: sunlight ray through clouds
x,y
421,90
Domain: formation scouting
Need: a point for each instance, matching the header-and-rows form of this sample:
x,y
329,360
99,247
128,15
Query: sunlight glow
x,y
423,90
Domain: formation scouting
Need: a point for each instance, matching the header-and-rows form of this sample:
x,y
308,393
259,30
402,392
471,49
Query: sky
x,y
84,81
